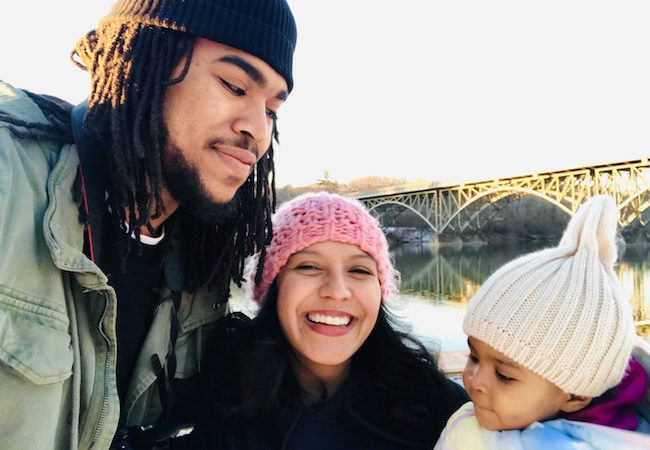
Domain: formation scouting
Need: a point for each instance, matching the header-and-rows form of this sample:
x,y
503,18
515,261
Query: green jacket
x,y
58,314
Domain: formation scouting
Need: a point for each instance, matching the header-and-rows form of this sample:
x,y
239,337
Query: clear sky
x,y
418,89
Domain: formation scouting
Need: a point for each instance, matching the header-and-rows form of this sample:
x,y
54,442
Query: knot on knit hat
x,y
318,217
561,312
264,28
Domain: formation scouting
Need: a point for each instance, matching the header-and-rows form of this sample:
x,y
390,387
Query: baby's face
x,y
507,396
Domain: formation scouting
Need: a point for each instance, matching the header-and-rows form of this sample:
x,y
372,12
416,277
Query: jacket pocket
x,y
34,338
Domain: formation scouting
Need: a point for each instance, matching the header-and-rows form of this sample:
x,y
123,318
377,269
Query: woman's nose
x,y
335,286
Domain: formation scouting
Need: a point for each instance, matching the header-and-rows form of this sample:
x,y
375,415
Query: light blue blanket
x,y
464,433
563,434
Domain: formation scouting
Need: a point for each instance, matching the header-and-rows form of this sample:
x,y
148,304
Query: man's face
x,y
219,123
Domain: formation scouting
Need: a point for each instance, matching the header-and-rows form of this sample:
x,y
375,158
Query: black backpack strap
x,y
93,170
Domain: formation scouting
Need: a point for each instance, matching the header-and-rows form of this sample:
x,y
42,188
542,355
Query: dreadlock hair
x,y
129,65
57,112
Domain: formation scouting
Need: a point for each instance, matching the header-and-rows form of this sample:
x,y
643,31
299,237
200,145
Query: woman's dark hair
x,y
130,66
253,358
407,374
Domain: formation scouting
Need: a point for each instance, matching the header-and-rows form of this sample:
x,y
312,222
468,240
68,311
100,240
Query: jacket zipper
x,y
102,416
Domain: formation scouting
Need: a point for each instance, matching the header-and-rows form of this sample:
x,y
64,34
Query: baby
x,y
551,336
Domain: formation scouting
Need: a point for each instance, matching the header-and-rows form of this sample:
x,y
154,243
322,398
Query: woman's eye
x,y
232,88
306,267
361,271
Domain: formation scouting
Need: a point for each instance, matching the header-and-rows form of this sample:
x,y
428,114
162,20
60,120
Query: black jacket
x,y
351,419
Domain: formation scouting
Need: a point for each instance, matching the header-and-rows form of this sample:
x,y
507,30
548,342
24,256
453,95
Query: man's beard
x,y
184,184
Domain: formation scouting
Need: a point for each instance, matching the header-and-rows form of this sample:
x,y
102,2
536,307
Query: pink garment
x,y
618,409
319,217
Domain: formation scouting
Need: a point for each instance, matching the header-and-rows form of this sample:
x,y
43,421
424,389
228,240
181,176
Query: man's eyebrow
x,y
251,71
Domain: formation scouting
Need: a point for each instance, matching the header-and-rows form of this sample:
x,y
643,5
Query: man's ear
x,y
573,403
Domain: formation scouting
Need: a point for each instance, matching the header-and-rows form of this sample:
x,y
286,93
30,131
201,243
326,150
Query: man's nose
x,y
253,121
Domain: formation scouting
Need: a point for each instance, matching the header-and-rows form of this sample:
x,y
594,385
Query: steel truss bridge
x,y
463,208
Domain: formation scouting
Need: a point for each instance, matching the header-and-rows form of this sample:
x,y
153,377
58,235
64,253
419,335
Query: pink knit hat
x,y
318,217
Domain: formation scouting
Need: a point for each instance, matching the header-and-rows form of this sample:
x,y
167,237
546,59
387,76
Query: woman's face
x,y
328,302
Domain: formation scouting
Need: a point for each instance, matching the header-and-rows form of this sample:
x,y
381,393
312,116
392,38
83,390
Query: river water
x,y
436,286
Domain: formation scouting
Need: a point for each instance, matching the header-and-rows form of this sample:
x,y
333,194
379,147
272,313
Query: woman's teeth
x,y
337,321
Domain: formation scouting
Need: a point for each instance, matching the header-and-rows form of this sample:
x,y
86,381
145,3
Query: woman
x,y
321,366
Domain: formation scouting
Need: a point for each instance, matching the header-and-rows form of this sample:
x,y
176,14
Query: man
x,y
124,220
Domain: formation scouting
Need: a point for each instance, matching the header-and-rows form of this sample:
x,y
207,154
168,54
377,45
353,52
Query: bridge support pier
x,y
454,241
434,242
475,241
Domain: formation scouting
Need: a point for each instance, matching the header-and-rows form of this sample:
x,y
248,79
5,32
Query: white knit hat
x,y
560,312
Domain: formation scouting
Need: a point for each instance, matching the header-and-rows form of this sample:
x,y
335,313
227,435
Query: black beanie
x,y
264,28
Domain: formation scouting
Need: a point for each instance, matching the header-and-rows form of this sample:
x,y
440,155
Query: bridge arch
x,y
459,207
487,200
374,208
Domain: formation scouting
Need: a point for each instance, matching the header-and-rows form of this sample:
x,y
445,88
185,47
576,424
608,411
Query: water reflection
x,y
633,271
436,285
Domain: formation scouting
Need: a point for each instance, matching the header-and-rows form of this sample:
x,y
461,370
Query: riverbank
x,y
453,362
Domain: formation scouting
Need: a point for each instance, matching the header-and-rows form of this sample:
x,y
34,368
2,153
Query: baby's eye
x,y
503,378
473,359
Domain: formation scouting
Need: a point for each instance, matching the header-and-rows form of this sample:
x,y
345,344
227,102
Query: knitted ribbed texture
x,y
561,312
318,217
263,28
